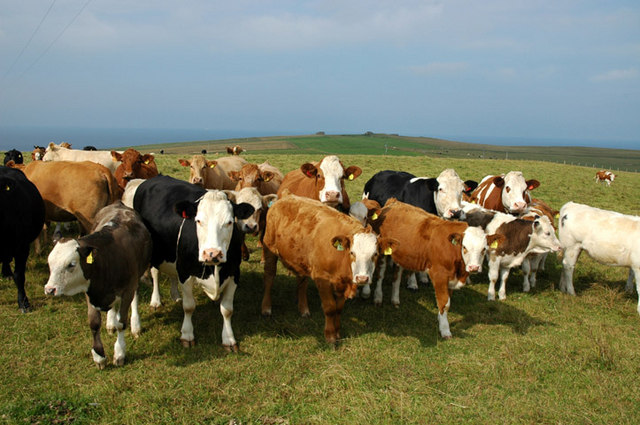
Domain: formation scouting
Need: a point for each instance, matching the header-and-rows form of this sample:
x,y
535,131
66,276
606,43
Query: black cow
x,y
194,236
89,148
21,220
13,155
106,265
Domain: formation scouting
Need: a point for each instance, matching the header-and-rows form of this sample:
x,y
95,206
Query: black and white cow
x,y
195,237
13,155
21,220
105,264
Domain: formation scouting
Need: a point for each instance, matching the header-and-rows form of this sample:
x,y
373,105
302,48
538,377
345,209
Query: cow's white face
x,y
332,172
514,192
543,236
364,253
448,197
251,196
214,227
65,272
474,247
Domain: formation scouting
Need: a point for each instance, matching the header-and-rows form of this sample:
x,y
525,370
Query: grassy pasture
x,y
541,357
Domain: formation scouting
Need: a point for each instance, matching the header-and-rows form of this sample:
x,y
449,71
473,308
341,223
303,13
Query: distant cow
x,y
235,150
89,148
73,190
447,250
605,176
265,177
60,153
133,165
21,220
505,193
213,174
608,237
314,240
38,153
323,181
194,237
106,265
13,155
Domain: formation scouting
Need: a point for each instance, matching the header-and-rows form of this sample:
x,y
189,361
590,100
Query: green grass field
x,y
541,357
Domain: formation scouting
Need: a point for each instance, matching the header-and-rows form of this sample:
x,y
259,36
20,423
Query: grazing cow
x,y
213,174
608,237
13,155
73,190
520,239
323,181
38,153
314,240
106,265
59,153
534,262
133,165
605,176
21,220
447,250
194,237
505,193
89,148
265,177
235,150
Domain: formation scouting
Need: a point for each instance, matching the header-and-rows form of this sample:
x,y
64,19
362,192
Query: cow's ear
x,y
309,170
498,181
532,184
243,210
185,209
52,146
147,158
87,253
116,156
352,172
386,246
494,241
455,238
267,176
268,200
470,186
231,195
234,175
373,214
212,164
184,162
341,243
432,184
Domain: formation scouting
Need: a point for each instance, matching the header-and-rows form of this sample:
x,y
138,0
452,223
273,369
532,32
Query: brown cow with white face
x,y
235,150
323,181
133,165
213,174
265,177
507,193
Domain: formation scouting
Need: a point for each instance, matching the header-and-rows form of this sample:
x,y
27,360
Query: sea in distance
x,y
24,138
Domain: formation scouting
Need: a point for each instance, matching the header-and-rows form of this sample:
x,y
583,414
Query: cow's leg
x,y
174,291
569,260
412,282
504,275
226,308
270,267
189,306
135,316
395,288
423,277
112,318
382,268
526,272
332,306
636,272
441,287
543,260
20,266
494,271
97,351
303,302
120,346
155,295
536,263
629,286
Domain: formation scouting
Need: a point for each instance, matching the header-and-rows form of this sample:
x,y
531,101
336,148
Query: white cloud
x,y
616,75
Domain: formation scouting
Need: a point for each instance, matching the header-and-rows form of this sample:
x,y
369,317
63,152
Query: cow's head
x,y
198,170
473,246
250,175
515,191
13,155
260,204
66,276
132,162
447,193
329,177
38,153
214,216
543,236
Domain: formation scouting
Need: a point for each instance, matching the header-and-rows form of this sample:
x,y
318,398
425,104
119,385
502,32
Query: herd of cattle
x,y
134,219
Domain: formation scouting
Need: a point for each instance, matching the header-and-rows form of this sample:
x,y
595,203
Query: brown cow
x,y
447,250
38,153
265,177
213,174
235,150
317,241
133,165
323,181
73,190
507,193
605,176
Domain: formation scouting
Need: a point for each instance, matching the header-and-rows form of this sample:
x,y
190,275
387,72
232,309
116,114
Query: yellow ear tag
x,y
351,177
558,215
473,202
267,179
388,251
147,162
90,258
338,246
7,188
494,245
375,217
212,166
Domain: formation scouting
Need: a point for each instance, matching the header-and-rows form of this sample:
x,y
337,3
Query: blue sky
x,y
497,68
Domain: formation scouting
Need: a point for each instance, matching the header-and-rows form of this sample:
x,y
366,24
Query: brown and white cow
x,y
605,176
507,193
73,190
213,174
133,165
59,153
38,153
323,181
534,262
106,265
265,177
235,150
447,250
314,240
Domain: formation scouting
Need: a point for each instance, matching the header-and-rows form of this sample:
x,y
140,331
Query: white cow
x,y
58,153
608,237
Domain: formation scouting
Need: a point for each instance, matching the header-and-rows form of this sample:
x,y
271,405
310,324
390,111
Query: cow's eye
x,y
229,223
71,265
548,233
465,250
198,221
508,189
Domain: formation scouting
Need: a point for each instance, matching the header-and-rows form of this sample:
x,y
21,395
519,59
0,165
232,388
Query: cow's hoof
x,y
100,361
154,306
234,348
118,361
305,314
377,303
187,343
446,337
110,330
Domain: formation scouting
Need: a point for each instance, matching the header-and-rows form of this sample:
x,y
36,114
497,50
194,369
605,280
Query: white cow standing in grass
x,y
608,237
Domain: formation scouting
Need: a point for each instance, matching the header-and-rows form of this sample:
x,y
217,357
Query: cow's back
x,y
218,177
21,208
298,184
385,185
103,158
